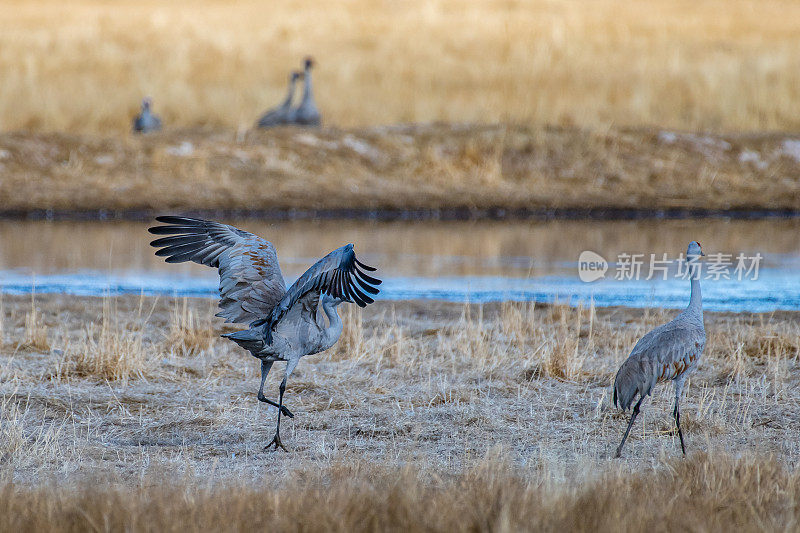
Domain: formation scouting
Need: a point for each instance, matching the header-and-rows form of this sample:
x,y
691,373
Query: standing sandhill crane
x,y
668,353
146,121
283,113
285,325
307,113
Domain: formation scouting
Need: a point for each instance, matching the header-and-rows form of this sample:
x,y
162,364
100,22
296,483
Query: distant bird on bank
x,y
284,325
282,114
146,121
670,352
307,114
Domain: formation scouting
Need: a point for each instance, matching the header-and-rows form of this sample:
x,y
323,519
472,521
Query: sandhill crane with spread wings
x,y
284,325
670,352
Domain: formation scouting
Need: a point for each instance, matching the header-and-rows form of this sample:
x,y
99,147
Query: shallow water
x,y
458,261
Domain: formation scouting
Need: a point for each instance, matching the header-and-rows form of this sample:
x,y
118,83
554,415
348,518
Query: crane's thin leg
x,y
276,440
265,368
630,424
677,413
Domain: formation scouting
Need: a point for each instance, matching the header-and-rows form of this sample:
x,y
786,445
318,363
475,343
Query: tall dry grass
x,y
36,331
717,64
190,331
703,493
113,349
119,348
23,444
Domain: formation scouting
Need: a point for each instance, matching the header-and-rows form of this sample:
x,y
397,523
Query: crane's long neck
x,y
290,94
307,94
696,299
331,334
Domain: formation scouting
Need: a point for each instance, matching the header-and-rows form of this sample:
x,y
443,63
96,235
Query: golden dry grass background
x,y
712,65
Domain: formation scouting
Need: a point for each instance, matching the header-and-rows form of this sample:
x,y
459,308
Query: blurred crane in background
x,y
307,113
282,114
146,121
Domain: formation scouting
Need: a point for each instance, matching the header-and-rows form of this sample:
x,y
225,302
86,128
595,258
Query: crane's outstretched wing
x,y
250,279
339,275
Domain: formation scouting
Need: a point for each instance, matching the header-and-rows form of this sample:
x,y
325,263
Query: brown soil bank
x,y
421,167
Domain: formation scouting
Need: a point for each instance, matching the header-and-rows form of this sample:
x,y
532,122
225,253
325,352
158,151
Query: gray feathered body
x,y
146,121
282,114
302,332
307,114
275,117
668,353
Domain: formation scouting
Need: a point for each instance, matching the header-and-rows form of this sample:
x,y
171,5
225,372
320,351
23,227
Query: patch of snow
x,y
311,140
791,148
667,137
749,156
104,159
183,150
241,155
360,147
702,143
712,142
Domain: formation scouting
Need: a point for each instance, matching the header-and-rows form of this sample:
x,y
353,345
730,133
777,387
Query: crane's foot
x,y
284,410
618,454
276,440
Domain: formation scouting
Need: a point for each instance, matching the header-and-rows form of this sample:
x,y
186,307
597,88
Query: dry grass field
x,y
132,413
710,65
461,169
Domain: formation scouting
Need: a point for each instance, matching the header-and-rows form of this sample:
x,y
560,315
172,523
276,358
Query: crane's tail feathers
x,y
627,384
624,398
266,325
252,339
